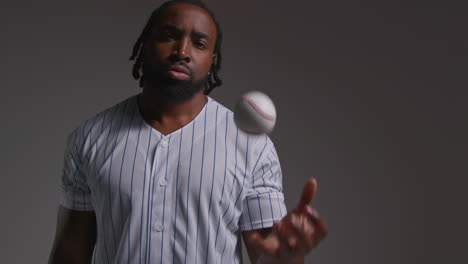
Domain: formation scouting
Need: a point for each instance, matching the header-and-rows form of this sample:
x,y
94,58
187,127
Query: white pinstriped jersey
x,y
180,198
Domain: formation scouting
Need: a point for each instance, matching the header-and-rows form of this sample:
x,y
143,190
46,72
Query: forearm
x,y
71,255
75,237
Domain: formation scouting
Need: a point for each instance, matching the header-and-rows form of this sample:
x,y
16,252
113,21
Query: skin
x,y
188,38
75,237
186,35
290,239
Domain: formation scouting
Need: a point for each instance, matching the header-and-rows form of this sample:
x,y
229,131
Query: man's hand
x,y
295,235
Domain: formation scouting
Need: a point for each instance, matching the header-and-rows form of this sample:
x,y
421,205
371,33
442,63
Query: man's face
x,y
179,52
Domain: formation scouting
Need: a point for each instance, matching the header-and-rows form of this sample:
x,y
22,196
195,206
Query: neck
x,y
168,116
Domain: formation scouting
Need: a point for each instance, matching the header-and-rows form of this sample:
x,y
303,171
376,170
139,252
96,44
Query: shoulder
x,y
215,106
96,125
258,145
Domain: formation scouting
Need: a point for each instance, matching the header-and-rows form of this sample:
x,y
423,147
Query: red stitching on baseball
x,y
265,115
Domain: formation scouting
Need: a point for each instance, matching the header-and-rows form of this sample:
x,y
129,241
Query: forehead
x,y
189,18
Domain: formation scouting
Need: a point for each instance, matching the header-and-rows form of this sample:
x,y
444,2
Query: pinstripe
x,y
121,168
216,237
82,192
212,180
271,164
245,174
279,205
224,247
100,177
143,195
96,145
188,190
230,194
224,178
74,176
87,155
269,196
258,200
90,134
235,174
131,190
96,173
242,188
260,210
248,211
177,191
83,135
109,176
199,188
259,156
74,179
225,158
107,140
113,163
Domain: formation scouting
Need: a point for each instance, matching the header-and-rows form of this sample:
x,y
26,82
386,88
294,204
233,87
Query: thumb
x,y
308,193
262,245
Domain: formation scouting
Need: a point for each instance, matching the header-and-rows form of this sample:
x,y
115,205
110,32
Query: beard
x,y
171,89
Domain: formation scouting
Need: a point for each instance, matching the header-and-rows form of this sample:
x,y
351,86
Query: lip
x,y
177,75
179,68
179,72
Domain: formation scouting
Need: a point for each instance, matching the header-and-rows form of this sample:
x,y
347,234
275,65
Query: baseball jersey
x,y
184,197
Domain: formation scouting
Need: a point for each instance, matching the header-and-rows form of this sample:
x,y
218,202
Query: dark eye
x,y
200,44
165,35
169,35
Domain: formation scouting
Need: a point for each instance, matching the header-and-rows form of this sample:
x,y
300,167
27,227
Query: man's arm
x,y
74,238
291,238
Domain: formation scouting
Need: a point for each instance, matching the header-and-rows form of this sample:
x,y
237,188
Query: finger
x,y
308,233
289,237
268,247
308,193
304,231
319,224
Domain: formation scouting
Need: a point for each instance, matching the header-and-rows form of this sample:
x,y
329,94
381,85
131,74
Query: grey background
x,y
371,101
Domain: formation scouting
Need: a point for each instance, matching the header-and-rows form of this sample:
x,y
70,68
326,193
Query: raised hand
x,y
296,234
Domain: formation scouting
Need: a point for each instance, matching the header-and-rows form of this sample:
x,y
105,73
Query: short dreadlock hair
x,y
213,80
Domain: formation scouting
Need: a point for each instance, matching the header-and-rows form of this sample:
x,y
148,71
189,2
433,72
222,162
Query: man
x,y
166,176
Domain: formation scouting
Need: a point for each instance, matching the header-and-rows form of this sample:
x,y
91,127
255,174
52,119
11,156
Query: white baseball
x,y
255,113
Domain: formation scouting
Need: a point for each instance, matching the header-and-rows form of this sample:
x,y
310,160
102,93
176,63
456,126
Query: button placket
x,y
158,160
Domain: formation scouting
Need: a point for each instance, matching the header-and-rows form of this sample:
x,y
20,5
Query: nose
x,y
182,51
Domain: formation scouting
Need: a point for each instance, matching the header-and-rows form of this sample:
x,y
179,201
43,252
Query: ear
x,y
213,59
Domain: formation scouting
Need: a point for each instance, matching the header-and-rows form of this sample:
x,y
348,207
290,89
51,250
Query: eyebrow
x,y
201,35
197,34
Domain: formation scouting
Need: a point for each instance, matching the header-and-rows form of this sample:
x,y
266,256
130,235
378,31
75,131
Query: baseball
x,y
255,113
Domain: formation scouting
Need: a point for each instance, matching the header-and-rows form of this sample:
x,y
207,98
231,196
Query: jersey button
x,y
158,228
163,182
164,144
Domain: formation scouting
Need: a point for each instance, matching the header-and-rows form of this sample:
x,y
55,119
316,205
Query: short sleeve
x,y
75,192
264,202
